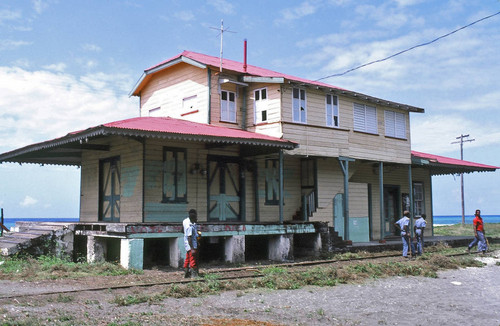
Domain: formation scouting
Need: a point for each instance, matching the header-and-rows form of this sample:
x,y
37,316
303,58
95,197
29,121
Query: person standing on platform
x,y
419,228
191,244
479,234
403,224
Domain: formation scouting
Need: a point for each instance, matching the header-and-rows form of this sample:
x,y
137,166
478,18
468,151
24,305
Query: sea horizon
x,y
437,219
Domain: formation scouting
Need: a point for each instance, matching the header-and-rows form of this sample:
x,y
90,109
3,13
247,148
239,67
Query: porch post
x,y
344,164
381,190
281,185
410,192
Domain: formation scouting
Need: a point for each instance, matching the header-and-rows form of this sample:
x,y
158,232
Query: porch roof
x,y
441,165
203,61
67,150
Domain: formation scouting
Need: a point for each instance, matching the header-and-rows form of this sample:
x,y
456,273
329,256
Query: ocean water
x,y
457,219
10,222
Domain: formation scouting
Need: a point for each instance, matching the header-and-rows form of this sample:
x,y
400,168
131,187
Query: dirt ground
x,y
466,296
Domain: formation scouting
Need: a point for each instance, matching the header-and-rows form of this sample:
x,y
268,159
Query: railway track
x,y
222,274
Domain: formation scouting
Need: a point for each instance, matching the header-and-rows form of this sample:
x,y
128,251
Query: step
x,y
7,249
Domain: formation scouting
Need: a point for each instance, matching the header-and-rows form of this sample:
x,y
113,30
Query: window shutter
x,y
389,124
371,120
400,122
359,117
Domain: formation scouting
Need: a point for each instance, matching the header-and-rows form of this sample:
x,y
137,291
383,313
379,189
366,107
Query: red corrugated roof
x,y
184,127
238,67
451,161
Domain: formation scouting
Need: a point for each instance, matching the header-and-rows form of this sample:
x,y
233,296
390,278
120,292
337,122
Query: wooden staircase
x,y
36,238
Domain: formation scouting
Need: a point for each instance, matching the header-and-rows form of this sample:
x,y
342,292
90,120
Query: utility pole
x,y
461,142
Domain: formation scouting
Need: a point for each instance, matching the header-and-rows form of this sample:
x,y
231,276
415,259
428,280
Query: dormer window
x,y
228,106
260,105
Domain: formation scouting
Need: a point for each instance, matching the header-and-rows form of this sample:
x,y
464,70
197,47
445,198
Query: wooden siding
x,y
167,90
130,153
317,139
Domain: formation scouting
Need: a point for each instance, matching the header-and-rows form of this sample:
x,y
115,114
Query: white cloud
x,y
58,67
28,201
222,6
184,15
41,105
91,47
306,8
12,44
39,6
9,15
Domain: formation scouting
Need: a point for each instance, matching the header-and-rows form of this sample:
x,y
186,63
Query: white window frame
x,y
228,107
365,118
418,198
299,105
260,105
332,110
395,124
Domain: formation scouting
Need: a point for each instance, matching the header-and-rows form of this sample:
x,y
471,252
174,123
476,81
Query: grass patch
x,y
492,230
49,267
277,278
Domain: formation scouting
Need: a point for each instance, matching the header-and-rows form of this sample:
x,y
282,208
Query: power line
x,y
409,49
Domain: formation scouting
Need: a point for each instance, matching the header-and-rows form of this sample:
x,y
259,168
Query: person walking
x,y
403,224
479,234
419,228
191,244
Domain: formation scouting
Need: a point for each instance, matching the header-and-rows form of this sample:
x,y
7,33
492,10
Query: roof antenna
x,y
221,33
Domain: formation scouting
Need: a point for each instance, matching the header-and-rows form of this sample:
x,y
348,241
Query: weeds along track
x,y
247,272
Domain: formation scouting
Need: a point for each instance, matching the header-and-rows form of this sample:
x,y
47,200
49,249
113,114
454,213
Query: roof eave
x,y
151,71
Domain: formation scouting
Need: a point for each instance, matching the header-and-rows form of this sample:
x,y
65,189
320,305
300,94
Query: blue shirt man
x,y
404,225
419,227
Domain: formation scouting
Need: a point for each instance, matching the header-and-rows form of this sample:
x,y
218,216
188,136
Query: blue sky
x,y
68,65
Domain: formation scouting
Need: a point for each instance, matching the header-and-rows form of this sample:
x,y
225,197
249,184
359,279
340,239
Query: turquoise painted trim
x,y
359,229
136,253
381,195
410,192
165,212
281,185
156,235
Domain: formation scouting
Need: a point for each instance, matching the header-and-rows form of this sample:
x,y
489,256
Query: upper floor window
x,y
395,124
299,105
365,118
228,106
174,175
332,111
260,105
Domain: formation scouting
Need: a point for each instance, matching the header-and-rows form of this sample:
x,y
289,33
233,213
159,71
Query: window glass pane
x,y
295,93
257,95
264,93
224,95
231,96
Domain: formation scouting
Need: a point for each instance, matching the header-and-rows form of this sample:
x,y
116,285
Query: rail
x,y
225,274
